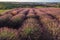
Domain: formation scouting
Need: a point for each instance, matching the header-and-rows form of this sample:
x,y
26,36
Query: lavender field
x,y
30,24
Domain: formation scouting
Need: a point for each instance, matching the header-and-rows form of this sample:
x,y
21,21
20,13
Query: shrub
x,y
51,25
30,30
4,19
15,21
31,14
7,34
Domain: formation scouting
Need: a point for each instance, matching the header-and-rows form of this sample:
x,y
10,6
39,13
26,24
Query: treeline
x,y
10,5
6,5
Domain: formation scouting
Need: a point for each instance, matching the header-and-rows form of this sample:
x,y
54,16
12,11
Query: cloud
x,y
31,0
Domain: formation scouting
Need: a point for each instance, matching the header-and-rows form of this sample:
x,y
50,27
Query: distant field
x,y
1,11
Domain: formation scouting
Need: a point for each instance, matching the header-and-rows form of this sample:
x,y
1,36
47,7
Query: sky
x,y
29,0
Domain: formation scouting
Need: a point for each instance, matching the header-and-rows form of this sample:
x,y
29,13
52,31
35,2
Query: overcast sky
x,y
30,0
